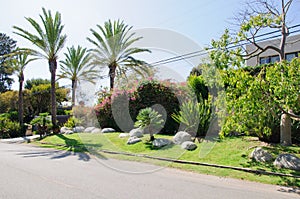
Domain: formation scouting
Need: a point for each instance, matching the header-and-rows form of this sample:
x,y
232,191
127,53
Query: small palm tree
x,y
113,50
50,40
19,62
150,120
77,67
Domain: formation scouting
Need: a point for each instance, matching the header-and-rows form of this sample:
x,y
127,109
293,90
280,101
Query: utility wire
x,y
207,50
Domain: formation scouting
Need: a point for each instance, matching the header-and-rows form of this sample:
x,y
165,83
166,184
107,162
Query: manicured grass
x,y
229,152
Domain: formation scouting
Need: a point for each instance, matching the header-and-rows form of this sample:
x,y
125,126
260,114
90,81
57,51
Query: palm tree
x,y
50,40
76,67
18,63
113,49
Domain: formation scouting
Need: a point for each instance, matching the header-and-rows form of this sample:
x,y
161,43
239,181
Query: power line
x,y
206,51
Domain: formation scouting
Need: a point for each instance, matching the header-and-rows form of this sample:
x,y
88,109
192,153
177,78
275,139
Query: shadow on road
x,y
71,147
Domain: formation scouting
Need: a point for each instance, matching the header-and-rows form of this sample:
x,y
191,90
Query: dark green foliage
x,y
147,94
35,82
195,116
7,46
255,98
8,127
198,86
150,93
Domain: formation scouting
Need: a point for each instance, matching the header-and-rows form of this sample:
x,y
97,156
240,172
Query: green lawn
x,y
229,152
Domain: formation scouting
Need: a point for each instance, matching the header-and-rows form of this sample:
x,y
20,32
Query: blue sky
x,y
197,21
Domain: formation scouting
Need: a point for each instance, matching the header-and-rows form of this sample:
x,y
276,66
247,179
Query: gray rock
x,y
89,129
260,155
78,129
189,145
108,130
133,140
136,133
96,130
287,161
123,135
64,129
69,132
161,142
181,137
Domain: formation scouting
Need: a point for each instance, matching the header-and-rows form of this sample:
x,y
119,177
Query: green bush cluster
x,y
254,98
9,127
146,94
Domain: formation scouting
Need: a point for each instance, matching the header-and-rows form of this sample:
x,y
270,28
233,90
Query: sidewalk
x,y
19,139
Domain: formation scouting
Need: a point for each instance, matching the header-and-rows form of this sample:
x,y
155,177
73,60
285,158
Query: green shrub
x,y
195,116
9,128
43,123
147,94
72,122
150,93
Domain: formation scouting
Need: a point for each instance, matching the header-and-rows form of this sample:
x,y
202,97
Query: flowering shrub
x,y
146,94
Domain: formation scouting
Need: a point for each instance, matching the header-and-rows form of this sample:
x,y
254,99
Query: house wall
x,y
292,45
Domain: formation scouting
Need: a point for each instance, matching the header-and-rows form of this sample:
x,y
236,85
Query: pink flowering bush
x,y
145,94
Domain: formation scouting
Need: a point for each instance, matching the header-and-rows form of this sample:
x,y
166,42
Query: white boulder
x,y
108,130
287,161
136,133
188,145
181,137
260,155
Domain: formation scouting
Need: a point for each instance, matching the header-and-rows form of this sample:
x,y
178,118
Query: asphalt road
x,y
27,171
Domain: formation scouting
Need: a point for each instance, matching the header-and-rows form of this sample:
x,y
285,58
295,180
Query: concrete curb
x,y
20,139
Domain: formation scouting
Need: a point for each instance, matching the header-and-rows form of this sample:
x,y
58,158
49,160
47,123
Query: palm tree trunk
x,y
74,86
21,80
112,75
52,68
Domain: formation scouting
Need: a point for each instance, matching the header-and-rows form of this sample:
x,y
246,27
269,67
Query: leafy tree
x,y
7,46
40,97
149,120
257,17
20,61
50,40
113,49
35,82
76,67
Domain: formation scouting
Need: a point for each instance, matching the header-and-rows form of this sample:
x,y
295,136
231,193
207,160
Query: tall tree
x,y
76,67
113,49
258,17
7,46
20,61
50,40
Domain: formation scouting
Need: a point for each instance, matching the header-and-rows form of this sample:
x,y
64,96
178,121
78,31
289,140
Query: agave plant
x,y
195,116
149,120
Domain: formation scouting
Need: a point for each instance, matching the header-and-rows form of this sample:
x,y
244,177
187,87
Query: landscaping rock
x,y
96,130
69,132
64,129
133,140
161,142
123,135
136,133
287,161
260,155
189,145
181,137
108,130
78,129
89,129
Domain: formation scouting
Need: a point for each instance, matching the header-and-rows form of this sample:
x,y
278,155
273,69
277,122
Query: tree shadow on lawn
x,y
71,147
284,180
148,145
